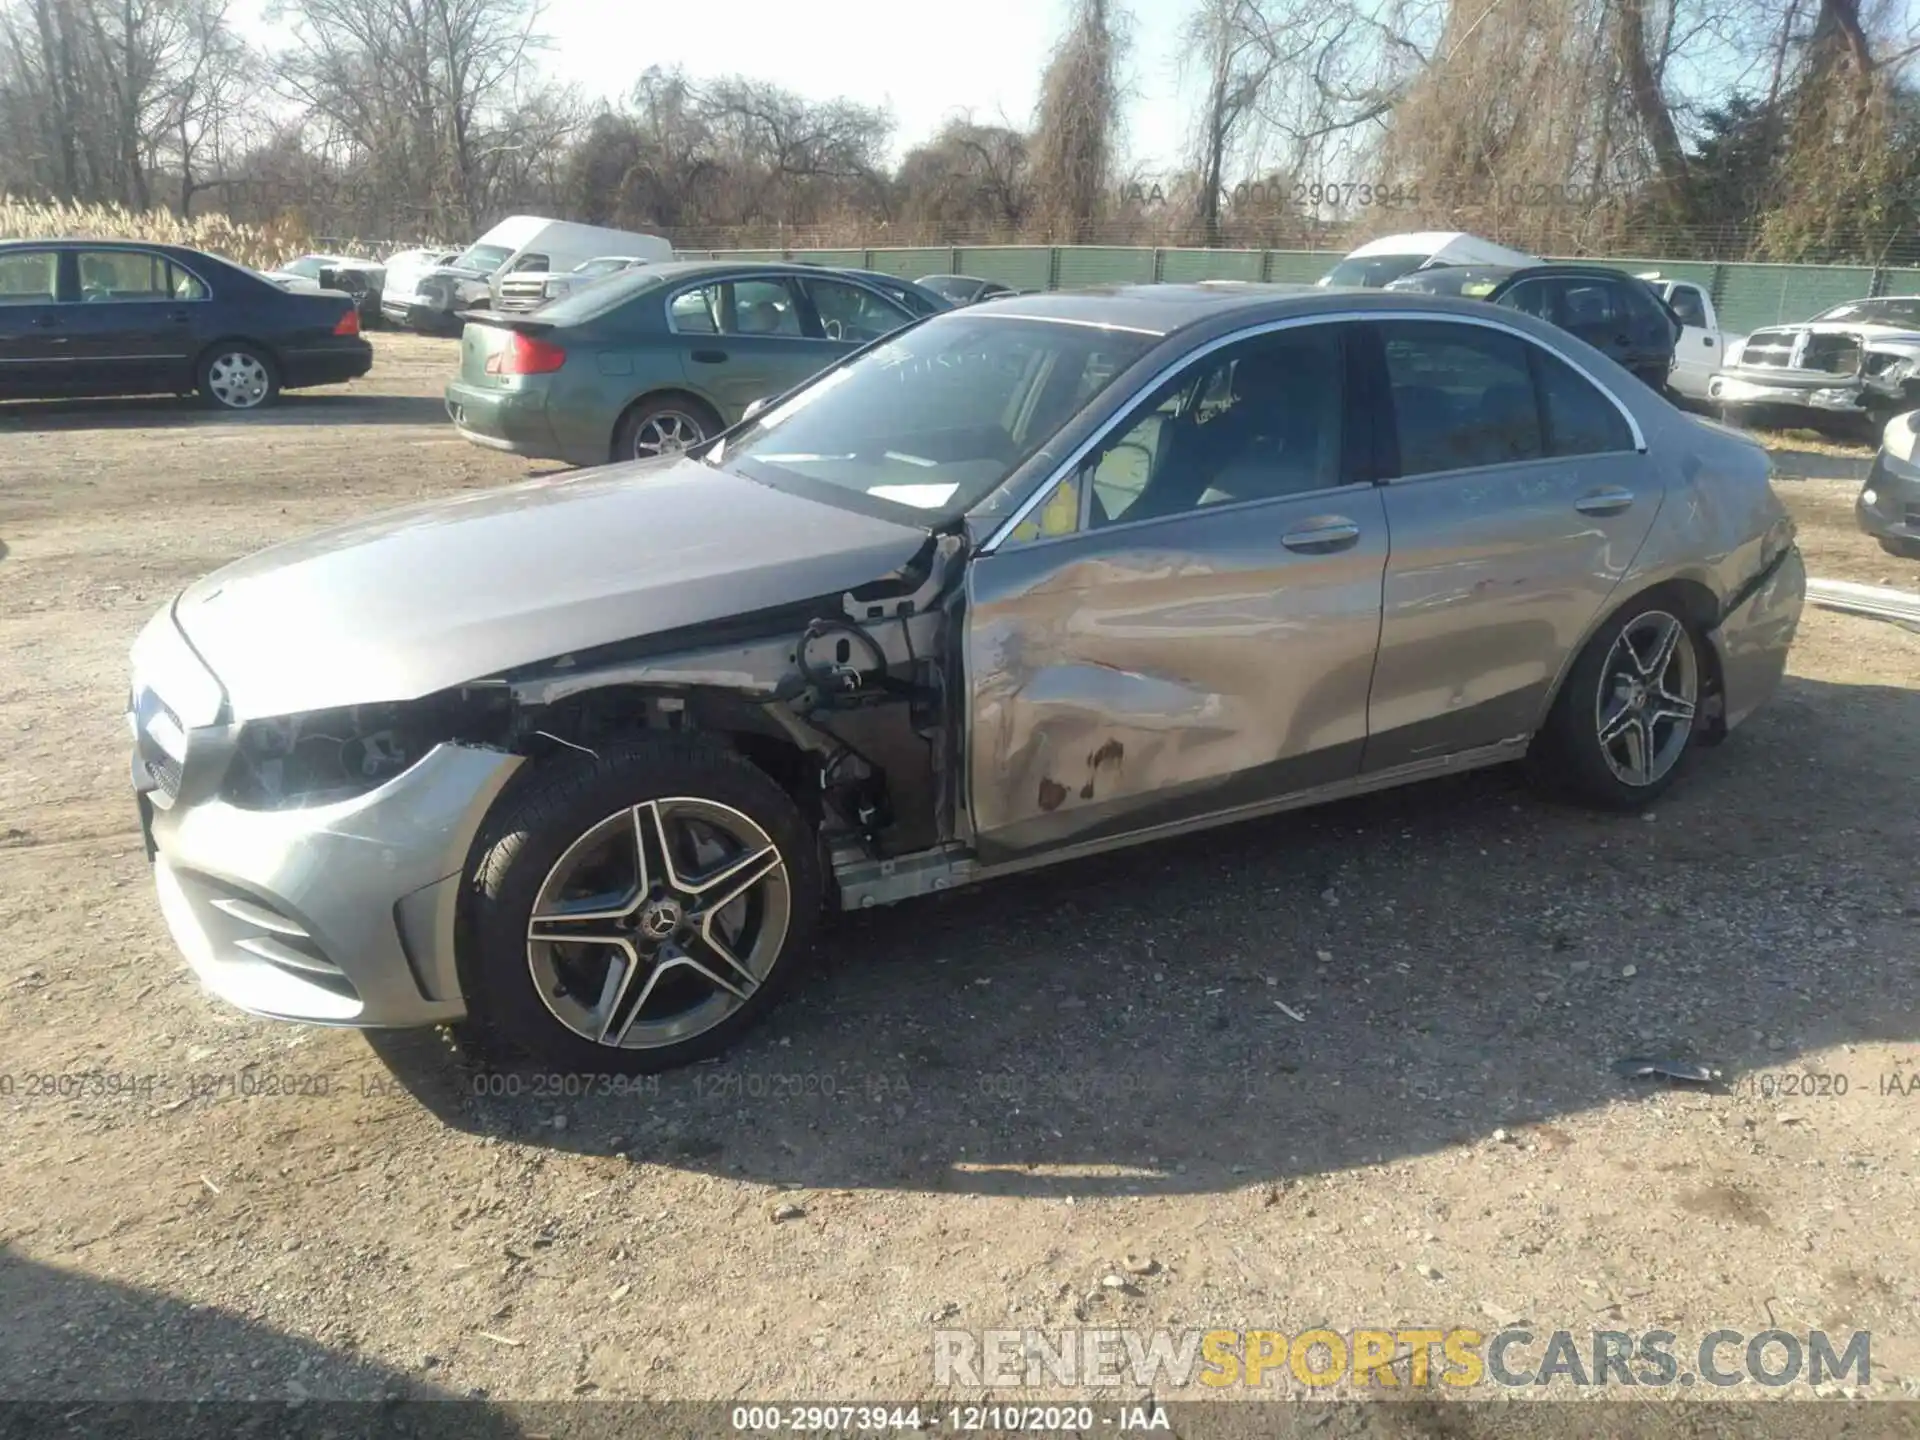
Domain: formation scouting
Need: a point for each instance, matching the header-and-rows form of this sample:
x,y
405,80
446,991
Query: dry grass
x,y
260,246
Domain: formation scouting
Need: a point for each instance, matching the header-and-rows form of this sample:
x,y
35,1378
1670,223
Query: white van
x,y
520,242
1388,258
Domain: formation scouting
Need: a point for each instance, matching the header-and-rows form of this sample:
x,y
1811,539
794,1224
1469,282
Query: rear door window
x,y
1463,396
1580,420
114,275
738,307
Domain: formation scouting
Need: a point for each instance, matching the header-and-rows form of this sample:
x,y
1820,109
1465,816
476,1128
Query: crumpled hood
x,y
403,604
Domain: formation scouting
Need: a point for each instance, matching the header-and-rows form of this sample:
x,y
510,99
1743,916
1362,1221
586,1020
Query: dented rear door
x,y
1154,673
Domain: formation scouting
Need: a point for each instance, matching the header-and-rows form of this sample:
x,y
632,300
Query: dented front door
x,y
1153,673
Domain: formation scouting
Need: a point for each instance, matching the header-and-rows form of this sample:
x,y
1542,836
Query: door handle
x,y
43,322
179,317
1707,340
1334,532
1610,501
708,357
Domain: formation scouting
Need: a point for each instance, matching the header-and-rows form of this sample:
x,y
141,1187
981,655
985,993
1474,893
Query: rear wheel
x,y
1905,549
237,376
639,911
1624,720
665,425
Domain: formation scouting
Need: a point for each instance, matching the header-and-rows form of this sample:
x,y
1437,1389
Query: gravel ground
x,y
1348,1068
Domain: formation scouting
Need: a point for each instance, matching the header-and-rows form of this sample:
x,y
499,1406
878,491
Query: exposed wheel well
x,y
1697,605
596,717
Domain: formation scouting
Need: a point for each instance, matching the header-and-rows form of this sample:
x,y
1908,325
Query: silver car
x,y
583,760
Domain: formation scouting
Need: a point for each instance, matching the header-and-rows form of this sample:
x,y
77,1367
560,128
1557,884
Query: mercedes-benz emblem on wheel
x,y
660,920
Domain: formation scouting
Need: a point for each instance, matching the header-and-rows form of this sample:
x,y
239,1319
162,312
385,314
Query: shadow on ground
x,y
1818,465
297,407
103,1361
1363,982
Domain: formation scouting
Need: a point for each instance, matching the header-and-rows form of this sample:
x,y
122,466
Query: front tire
x,y
638,911
1904,549
237,376
1624,721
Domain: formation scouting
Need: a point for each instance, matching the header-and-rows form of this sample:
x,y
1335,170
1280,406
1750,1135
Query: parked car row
x,y
101,317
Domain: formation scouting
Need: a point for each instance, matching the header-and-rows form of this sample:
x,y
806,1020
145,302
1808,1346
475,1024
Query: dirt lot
x,y
980,1107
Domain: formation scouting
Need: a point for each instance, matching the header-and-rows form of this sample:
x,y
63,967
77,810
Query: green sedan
x,y
650,361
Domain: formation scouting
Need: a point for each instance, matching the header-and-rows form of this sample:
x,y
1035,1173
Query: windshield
x,y
306,265
482,257
605,266
950,287
1899,310
1373,271
937,417
1467,280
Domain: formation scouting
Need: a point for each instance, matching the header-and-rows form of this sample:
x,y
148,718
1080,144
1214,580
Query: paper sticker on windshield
x,y
922,497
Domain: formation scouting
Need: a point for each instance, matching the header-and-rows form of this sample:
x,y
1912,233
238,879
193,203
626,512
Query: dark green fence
x,y
1747,296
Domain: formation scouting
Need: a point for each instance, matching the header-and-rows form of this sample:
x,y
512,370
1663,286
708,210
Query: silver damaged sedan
x,y
582,761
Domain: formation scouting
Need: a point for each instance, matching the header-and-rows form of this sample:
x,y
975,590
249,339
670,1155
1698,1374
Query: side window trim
x,y
206,290
1392,476
1005,528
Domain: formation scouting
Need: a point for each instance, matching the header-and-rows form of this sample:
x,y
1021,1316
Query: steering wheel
x,y
832,327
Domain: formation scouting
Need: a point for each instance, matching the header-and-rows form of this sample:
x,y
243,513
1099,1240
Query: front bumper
x,y
1888,506
1826,394
510,420
1752,641
337,914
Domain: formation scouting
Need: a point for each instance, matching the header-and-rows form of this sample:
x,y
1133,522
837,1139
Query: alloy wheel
x,y
666,432
658,923
238,380
1649,690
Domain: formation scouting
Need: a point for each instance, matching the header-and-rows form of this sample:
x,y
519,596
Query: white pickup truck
x,y
1702,345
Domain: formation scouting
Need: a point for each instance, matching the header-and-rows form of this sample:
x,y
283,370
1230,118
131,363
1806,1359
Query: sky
x,y
925,63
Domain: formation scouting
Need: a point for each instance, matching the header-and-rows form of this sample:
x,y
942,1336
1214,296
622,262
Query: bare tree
x,y
1076,130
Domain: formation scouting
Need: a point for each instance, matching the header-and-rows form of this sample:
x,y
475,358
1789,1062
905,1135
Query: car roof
x,y
1576,268
1163,309
687,269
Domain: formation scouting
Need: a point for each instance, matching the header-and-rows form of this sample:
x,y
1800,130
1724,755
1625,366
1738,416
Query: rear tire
x,y
234,375
692,880
1904,549
663,425
1623,723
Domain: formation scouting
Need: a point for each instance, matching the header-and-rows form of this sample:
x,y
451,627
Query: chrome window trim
x,y
1066,320
1066,468
1196,512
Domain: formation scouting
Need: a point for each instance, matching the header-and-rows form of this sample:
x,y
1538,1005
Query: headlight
x,y
326,756
321,757
556,288
1844,395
